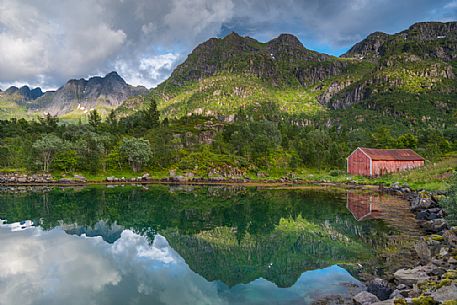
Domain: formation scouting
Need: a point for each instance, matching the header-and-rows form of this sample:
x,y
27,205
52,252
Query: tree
x,y
407,140
136,151
65,160
111,120
94,118
382,138
151,116
46,148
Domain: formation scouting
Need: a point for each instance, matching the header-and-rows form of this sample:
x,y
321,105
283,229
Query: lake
x,y
171,244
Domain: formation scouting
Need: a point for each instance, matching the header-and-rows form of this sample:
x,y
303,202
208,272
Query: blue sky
x,y
45,43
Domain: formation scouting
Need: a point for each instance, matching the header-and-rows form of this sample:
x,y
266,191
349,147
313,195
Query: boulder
x,y
420,203
411,276
434,226
379,288
21,180
423,251
365,298
450,238
65,180
145,177
80,178
110,179
445,293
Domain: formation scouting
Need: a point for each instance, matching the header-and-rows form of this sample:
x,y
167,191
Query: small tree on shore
x,y
94,119
46,148
136,151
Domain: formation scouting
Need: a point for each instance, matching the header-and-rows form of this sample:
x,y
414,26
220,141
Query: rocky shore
x,y
434,278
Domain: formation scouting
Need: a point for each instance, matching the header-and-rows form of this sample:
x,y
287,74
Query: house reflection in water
x,y
364,205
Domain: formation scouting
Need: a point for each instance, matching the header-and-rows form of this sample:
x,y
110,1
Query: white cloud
x,y
51,267
149,71
48,42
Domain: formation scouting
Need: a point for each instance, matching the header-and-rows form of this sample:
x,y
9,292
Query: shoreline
x,y
433,276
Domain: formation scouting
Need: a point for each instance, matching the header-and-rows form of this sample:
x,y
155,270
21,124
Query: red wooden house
x,y
376,162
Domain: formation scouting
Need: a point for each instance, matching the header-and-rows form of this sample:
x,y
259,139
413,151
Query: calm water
x,y
192,245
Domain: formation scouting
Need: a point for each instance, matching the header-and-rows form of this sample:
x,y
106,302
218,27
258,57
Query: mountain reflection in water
x,y
204,245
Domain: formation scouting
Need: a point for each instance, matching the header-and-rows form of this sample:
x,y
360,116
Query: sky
x,y
45,43
52,267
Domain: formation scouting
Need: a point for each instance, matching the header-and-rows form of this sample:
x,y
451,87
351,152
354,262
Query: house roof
x,y
391,154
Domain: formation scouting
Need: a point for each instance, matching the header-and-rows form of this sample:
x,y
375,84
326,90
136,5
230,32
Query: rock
x,y
379,288
445,293
423,252
64,180
401,287
145,177
395,186
450,238
386,302
110,179
452,260
438,271
396,294
79,178
422,201
180,179
21,180
365,298
434,226
411,276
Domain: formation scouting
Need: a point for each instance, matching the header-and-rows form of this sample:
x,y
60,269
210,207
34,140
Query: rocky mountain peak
x,y
83,95
431,30
369,48
25,92
287,39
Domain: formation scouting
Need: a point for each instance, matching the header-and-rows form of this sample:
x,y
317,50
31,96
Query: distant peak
x,y
288,37
112,73
233,35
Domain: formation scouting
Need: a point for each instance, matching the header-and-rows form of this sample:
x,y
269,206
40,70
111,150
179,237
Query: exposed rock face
x,y
109,91
281,60
369,48
25,93
425,39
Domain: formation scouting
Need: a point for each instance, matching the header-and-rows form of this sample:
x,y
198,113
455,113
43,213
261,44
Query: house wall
x,y
358,163
384,167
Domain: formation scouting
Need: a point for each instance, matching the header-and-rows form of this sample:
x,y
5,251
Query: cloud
x,y
48,42
52,267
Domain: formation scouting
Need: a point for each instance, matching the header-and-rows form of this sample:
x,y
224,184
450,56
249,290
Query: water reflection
x,y
52,267
215,245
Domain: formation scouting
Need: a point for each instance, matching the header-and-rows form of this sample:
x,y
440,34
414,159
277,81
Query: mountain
x,y
76,97
428,40
72,100
222,75
408,78
24,93
404,78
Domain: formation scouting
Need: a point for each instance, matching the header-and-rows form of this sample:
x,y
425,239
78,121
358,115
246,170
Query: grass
x,y
433,176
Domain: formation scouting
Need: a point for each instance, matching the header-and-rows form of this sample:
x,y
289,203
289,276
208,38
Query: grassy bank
x,y
433,176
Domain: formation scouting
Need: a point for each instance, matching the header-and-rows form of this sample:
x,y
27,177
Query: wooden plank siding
x,y
384,167
359,163
373,162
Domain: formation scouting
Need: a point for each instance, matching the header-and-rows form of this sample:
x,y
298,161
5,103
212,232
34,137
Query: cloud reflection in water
x,y
53,267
